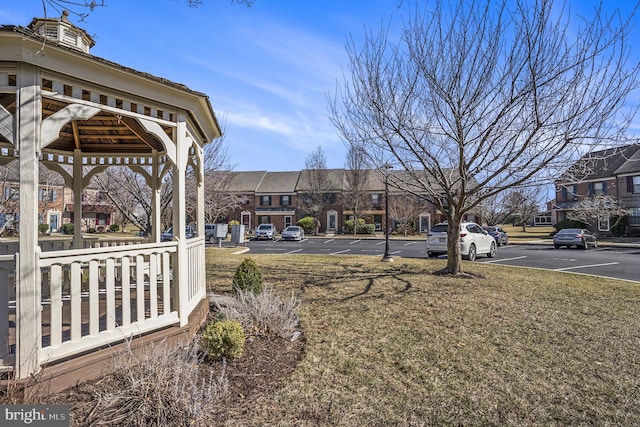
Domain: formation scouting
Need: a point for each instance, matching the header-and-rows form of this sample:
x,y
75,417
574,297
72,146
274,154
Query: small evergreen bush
x,y
369,228
67,228
114,227
43,228
248,277
223,339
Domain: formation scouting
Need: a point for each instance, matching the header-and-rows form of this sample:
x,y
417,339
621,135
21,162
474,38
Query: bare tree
x,y
84,9
481,96
522,204
315,183
131,195
355,196
9,197
218,201
492,210
404,209
598,210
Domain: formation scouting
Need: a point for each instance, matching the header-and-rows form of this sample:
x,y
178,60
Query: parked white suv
x,y
474,240
265,231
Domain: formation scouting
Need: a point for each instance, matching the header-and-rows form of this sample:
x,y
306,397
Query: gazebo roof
x,y
94,80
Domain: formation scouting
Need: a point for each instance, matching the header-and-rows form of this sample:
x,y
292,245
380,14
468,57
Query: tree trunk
x,y
454,256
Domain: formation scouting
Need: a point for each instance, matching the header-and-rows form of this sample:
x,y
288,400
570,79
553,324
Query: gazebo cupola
x,y
63,32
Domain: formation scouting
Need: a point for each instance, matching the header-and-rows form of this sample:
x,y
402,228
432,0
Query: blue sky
x,y
267,69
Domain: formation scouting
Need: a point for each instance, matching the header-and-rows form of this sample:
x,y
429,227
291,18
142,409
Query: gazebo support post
x,y
180,268
77,199
28,314
156,185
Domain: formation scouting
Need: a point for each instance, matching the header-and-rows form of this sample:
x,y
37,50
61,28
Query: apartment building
x,y
280,198
613,172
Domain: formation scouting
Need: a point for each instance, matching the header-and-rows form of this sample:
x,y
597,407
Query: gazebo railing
x,y
10,247
93,298
196,274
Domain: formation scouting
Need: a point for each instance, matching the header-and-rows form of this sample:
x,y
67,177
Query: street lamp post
x,y
386,257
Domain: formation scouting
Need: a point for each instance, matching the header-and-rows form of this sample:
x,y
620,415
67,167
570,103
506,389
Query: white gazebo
x,y
69,111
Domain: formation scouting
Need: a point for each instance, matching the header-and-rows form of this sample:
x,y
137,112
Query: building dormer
x,y
63,32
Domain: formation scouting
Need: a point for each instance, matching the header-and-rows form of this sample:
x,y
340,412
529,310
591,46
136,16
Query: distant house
x,y
613,172
55,204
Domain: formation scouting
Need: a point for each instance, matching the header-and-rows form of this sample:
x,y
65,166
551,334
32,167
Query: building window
x,y
634,216
265,200
329,198
633,184
376,199
285,200
46,195
597,188
569,192
265,219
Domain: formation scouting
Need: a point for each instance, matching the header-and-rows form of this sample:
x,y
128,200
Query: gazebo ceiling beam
x,y
141,133
87,148
76,135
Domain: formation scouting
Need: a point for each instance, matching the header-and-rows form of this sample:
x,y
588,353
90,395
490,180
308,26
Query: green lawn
x,y
391,344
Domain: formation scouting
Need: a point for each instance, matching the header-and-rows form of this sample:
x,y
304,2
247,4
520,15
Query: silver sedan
x,y
578,237
292,232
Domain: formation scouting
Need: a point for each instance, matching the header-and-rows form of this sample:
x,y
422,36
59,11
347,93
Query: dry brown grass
x,y
392,344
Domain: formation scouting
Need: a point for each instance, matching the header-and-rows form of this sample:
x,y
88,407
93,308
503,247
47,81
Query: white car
x,y
474,240
265,231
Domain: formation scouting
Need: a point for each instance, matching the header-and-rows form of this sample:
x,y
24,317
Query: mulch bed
x,y
252,378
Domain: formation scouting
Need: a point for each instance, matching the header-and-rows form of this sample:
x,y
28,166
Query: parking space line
x,y
340,252
585,266
355,241
293,252
380,243
504,259
329,241
411,243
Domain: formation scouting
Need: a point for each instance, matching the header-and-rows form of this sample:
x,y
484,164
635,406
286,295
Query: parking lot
x,y
608,261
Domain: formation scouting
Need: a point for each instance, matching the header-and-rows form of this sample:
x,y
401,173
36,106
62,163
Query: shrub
x,y
264,314
618,225
248,277
223,339
308,224
114,227
43,228
231,224
348,224
361,226
570,223
165,385
369,228
633,232
67,228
